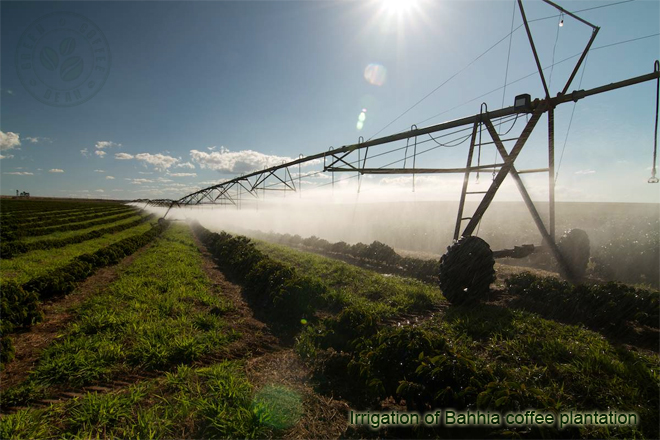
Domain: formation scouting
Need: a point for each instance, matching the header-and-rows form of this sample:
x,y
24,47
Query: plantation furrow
x,y
20,304
55,220
40,209
36,263
38,215
76,226
158,313
22,228
10,250
45,215
57,313
109,221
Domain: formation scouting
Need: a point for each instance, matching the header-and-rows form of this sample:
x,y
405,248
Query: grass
x,y
210,402
68,234
27,266
160,313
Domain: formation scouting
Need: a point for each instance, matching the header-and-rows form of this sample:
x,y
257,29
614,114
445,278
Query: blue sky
x,y
200,91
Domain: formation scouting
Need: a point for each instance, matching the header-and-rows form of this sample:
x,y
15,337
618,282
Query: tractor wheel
x,y
574,246
467,270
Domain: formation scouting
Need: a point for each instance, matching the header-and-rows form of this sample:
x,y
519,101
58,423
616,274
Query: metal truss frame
x,y
349,158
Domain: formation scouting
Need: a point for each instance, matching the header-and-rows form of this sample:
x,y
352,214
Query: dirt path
x,y
268,362
57,313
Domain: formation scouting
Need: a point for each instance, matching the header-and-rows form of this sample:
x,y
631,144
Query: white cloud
x,y
109,178
9,156
84,152
99,171
100,191
160,179
160,161
35,139
211,148
585,172
105,144
185,165
140,181
183,174
100,153
145,172
239,161
55,170
9,140
20,173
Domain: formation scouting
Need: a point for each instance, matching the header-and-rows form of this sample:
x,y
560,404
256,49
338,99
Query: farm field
x,y
169,330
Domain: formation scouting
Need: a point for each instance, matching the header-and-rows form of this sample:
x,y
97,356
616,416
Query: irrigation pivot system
x,y
467,267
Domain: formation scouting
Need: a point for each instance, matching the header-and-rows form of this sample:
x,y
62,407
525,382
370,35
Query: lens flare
x,y
361,118
375,74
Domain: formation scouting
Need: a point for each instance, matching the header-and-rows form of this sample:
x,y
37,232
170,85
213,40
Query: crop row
x,y
19,207
604,306
20,303
13,248
56,212
76,216
276,289
376,253
18,222
36,232
607,307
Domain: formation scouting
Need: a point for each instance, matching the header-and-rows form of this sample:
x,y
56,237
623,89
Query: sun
x,y
398,7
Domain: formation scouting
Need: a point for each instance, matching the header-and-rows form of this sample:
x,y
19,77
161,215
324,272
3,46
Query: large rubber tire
x,y
466,270
575,247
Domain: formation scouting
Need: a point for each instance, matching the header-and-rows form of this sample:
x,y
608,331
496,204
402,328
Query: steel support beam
x,y
503,172
530,205
466,179
551,171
